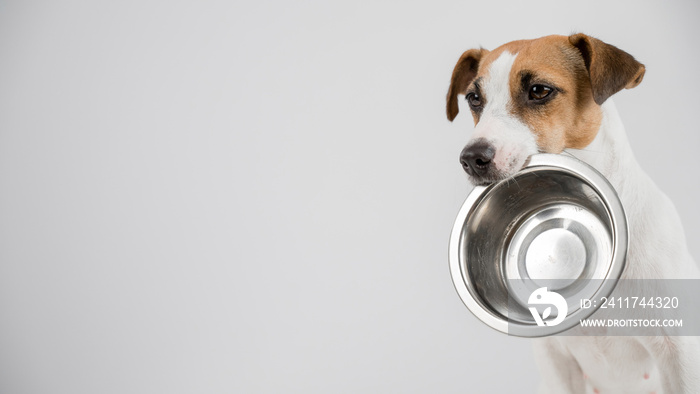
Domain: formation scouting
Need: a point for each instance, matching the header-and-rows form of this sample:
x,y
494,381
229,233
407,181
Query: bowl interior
x,y
545,227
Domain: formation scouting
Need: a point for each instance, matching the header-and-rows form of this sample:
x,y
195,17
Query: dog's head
x,y
535,96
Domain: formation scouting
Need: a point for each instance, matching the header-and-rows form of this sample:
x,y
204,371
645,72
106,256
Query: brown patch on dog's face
x,y
551,93
464,73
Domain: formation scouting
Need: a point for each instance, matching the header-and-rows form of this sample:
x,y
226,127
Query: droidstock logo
x,y
543,297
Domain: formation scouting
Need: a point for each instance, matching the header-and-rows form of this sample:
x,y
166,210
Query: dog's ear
x,y
463,74
609,68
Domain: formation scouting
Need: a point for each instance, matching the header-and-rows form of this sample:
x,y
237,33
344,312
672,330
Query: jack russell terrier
x,y
552,95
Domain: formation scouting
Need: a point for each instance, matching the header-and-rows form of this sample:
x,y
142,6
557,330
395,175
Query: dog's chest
x,y
614,365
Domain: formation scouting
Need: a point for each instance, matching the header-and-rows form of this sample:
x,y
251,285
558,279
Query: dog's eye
x,y
539,92
474,101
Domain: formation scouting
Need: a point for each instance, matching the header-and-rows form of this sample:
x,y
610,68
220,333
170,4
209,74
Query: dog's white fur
x,y
657,250
513,140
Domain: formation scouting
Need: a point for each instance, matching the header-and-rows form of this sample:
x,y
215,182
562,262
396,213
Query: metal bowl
x,y
557,223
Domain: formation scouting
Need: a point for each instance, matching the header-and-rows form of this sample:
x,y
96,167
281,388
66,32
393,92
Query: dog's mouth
x,y
485,180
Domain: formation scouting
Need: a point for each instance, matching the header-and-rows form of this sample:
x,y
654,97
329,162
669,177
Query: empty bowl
x,y
556,224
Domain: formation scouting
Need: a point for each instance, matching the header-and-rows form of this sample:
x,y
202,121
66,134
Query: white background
x,y
228,197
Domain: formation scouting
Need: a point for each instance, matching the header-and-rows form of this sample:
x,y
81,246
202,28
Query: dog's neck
x,y
610,153
651,215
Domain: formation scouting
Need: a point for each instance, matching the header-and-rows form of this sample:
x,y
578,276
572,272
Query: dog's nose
x,y
476,158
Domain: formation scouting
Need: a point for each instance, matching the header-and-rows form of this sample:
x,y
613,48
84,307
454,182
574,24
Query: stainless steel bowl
x,y
557,223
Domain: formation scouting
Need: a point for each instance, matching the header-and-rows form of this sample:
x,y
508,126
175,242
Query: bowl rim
x,y
619,241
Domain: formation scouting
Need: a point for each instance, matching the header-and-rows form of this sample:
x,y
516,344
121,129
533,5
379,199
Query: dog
x,y
552,95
